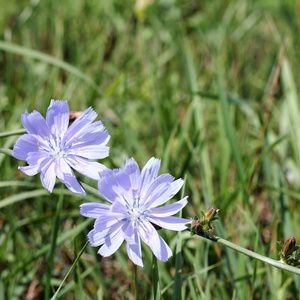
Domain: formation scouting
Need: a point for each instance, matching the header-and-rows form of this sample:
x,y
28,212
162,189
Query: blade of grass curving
x,y
6,151
22,196
210,96
14,132
55,229
79,295
23,51
32,194
71,269
17,183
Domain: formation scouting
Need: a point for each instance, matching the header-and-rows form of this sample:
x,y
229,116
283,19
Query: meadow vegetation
x,y
188,82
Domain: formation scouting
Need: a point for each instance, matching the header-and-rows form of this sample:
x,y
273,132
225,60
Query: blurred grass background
x,y
151,71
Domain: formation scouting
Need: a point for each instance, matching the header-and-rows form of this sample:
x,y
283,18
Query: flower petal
x,y
90,151
107,221
159,185
85,166
133,170
149,174
93,134
158,246
112,244
97,238
169,210
134,248
176,186
114,185
40,158
78,127
24,145
57,117
48,177
30,170
34,123
66,175
93,209
171,223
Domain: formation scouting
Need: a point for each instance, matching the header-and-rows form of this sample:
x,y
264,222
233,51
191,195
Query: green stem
x,y
156,285
135,282
53,244
74,264
14,132
262,258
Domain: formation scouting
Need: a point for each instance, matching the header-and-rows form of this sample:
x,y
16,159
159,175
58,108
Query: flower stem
x,y
73,266
53,244
262,258
156,285
135,282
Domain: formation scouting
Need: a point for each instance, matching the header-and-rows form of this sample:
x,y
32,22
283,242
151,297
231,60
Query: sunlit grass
x,y
152,77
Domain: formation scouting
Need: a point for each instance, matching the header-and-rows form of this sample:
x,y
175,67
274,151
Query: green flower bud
x,y
288,247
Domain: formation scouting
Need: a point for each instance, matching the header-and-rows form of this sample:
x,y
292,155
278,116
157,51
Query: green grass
x,y
184,81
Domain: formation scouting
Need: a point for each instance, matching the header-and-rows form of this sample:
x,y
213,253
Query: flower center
x,y
56,147
135,213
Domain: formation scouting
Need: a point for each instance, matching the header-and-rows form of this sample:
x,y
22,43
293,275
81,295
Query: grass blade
x,y
53,244
20,50
71,269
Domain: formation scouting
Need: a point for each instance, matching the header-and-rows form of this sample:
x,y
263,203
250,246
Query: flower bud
x,y
210,215
288,247
196,226
205,224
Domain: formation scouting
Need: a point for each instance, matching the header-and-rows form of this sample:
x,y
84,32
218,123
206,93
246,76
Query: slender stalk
x,y
135,282
71,269
155,275
262,258
53,244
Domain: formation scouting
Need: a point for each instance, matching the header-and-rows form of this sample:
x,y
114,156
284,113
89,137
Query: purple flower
x,y
135,197
50,147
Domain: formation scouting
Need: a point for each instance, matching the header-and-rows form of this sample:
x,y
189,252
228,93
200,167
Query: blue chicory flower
x,y
135,196
52,148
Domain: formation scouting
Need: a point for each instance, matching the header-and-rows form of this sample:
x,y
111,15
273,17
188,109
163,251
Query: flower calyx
x,y
205,222
288,254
